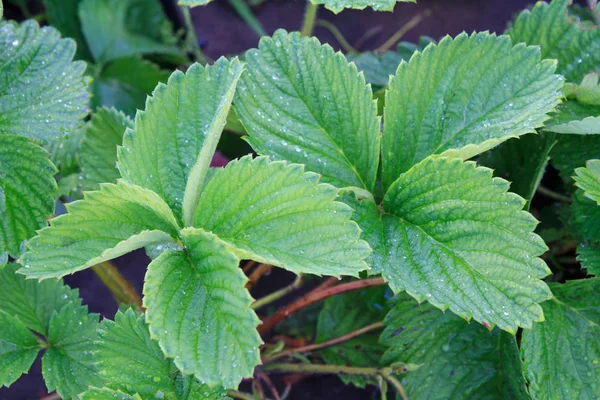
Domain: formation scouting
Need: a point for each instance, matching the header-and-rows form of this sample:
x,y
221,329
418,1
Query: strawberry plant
x,y
420,202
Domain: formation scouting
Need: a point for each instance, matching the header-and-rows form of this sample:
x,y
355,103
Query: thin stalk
x,y
278,294
337,35
265,378
413,22
397,385
191,37
248,16
313,297
121,289
258,273
328,343
553,195
239,395
310,17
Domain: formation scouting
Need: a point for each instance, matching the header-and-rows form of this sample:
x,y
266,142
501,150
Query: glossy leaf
x,y
302,102
378,5
450,358
201,290
455,237
588,180
276,213
463,97
43,94
561,355
108,223
18,349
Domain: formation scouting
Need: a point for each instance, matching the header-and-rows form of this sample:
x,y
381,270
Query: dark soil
x,y
223,33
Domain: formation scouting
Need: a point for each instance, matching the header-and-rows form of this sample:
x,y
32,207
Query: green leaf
x,y
193,3
107,394
67,365
33,302
110,34
576,47
64,152
27,189
376,67
18,349
179,131
43,94
302,102
561,355
125,83
588,254
584,217
62,14
588,92
465,361
572,151
573,117
521,161
277,214
347,313
463,97
202,290
108,223
378,5
98,156
455,237
588,180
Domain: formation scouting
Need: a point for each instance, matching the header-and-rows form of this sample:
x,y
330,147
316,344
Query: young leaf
x,y
276,213
588,254
378,5
62,14
561,355
521,161
201,290
108,223
572,151
67,365
175,138
107,394
588,180
465,361
27,189
98,156
463,97
43,94
456,238
18,349
577,48
302,102
110,35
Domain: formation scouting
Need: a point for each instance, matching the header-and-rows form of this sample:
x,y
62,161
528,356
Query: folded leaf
x,y
18,349
98,155
277,214
378,5
43,94
576,47
302,102
455,237
27,189
108,223
180,128
465,361
588,180
463,97
201,290
561,355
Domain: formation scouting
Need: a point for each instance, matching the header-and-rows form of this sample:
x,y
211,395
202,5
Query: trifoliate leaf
x,y
573,117
64,152
67,365
18,349
588,254
201,290
108,223
455,360
463,97
33,302
98,156
378,5
277,214
302,102
572,151
521,161
62,14
588,180
110,34
125,83
179,130
561,355
455,237
377,67
27,189
43,94
107,394
347,313
577,48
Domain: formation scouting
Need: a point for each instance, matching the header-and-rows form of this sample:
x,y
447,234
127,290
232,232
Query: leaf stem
x,y
241,7
413,22
553,195
121,289
239,395
309,19
278,294
253,278
337,35
191,37
328,343
315,296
